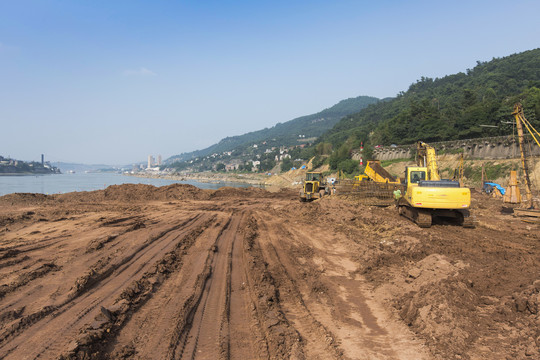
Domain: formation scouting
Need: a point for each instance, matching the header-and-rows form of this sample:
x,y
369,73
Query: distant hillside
x,y
286,134
449,108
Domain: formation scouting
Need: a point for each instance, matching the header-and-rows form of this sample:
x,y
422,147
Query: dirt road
x,y
176,272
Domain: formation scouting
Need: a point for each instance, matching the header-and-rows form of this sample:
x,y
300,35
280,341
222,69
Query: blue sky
x,y
114,81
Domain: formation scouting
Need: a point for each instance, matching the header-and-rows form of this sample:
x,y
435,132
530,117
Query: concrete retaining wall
x,y
500,147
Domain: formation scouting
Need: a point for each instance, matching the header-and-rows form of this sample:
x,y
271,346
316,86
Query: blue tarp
x,y
499,187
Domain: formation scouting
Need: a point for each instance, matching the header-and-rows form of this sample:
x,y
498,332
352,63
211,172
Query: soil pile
x,y
236,192
120,193
137,192
23,199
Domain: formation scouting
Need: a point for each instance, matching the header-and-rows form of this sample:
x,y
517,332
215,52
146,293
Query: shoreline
x,y
287,180
27,174
210,178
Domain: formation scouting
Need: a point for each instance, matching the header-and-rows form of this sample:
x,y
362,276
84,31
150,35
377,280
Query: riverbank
x,y
289,179
207,177
64,183
26,174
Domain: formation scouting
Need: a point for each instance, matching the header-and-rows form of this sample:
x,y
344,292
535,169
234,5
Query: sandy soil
x,y
135,271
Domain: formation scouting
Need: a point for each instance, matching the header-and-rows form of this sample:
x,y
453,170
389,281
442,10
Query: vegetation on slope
x,y
450,108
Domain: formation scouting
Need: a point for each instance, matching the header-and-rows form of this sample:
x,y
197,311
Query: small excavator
x,y
427,195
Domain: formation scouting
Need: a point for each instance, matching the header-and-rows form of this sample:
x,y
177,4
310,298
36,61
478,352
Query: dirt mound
x,y
137,192
234,192
444,315
23,199
123,193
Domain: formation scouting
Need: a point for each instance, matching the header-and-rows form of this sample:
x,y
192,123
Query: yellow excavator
x,y
427,195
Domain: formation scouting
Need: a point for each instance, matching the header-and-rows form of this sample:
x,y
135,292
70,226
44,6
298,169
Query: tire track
x,y
349,324
193,295
242,330
160,315
319,340
50,336
205,334
71,256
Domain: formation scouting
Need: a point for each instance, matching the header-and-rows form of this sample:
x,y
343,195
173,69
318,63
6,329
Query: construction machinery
x,y
374,187
375,172
314,187
521,122
426,195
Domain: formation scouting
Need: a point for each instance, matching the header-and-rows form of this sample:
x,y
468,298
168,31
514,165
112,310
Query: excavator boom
x,y
427,157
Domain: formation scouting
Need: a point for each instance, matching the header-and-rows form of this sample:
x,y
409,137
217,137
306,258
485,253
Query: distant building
x,y
158,160
233,165
150,161
281,157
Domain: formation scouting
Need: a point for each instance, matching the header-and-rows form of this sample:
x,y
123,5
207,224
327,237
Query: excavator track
x,y
469,221
424,218
419,216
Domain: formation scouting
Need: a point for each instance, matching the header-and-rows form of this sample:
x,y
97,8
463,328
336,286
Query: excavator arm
x,y
426,157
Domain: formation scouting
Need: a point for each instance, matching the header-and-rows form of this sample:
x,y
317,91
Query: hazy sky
x,y
114,81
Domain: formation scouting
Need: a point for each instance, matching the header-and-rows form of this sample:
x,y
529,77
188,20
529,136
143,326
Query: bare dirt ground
x,y
176,272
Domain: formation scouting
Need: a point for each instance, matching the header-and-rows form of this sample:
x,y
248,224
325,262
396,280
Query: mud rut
x,y
189,281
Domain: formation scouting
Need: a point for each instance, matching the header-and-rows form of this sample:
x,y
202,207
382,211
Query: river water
x,y
63,183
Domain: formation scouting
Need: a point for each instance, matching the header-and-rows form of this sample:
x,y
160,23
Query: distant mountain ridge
x,y
292,132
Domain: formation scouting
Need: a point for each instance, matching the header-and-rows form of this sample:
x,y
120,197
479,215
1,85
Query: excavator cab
x,y
417,176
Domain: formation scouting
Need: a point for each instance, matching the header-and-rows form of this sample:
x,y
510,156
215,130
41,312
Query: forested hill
x,y
287,134
449,108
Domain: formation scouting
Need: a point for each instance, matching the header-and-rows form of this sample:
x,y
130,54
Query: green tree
x,y
220,167
339,155
348,166
323,148
267,165
367,153
286,164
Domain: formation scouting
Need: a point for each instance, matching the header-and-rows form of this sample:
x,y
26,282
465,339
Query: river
x,y
63,183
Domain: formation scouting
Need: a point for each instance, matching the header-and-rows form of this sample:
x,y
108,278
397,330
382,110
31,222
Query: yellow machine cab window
x,y
416,176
